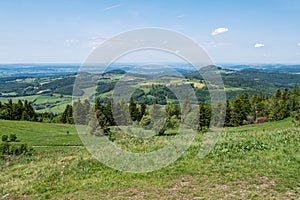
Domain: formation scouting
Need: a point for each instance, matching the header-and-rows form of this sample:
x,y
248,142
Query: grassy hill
x,y
249,162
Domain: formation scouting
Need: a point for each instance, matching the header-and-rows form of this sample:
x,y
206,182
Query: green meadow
x,y
249,162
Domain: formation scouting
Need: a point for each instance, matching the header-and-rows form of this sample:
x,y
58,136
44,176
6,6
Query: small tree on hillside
x,y
296,120
67,116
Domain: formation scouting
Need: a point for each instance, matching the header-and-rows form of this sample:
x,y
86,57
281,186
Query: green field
x,y
249,162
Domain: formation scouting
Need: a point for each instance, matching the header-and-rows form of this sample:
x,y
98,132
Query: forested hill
x,y
236,83
278,79
253,80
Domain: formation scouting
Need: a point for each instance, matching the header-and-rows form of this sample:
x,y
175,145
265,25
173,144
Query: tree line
x,y
17,111
242,110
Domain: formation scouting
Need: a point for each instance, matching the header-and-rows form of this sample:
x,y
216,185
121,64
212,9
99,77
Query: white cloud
x,y
112,7
71,41
258,45
219,31
299,44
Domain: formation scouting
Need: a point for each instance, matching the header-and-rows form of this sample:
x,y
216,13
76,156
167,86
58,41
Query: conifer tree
x,y
133,110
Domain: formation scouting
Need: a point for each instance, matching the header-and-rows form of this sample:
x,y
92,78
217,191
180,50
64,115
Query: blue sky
x,y
241,31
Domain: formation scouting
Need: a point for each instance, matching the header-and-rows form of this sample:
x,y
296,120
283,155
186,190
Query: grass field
x,y
249,162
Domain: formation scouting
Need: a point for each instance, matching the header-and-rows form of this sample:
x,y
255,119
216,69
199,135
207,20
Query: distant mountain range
x,y
283,68
38,70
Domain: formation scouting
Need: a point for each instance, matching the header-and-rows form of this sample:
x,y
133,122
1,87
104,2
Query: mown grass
x,y
41,134
250,162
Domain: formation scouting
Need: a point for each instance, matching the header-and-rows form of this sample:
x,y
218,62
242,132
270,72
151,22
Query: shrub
x,y
172,122
296,120
4,148
145,121
13,137
4,138
15,149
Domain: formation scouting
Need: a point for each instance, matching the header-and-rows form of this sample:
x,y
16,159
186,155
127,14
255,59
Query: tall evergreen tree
x,y
133,110
28,112
121,114
109,113
278,108
67,116
17,110
228,114
204,116
237,115
142,111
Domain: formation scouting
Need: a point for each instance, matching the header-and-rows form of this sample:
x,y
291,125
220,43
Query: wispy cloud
x,y
112,7
258,45
299,44
219,31
71,41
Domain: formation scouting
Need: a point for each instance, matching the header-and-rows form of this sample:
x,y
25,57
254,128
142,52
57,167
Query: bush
x,y
172,122
4,148
14,149
145,121
296,120
4,138
13,137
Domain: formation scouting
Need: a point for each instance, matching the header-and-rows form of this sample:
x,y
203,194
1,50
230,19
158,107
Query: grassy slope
x,y
41,134
250,162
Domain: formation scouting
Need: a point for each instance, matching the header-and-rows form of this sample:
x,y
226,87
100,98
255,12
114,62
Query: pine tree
x,y
237,114
133,110
203,118
121,114
142,111
295,99
67,116
276,110
228,114
109,113
8,110
28,112
286,102
79,112
94,127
